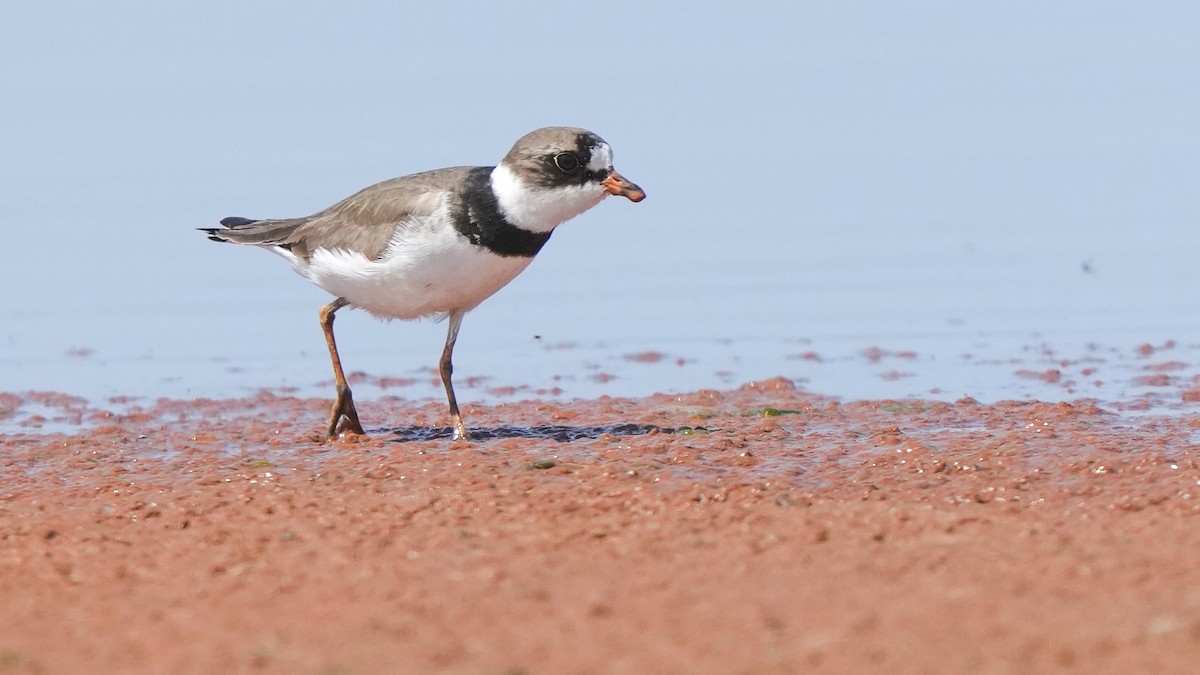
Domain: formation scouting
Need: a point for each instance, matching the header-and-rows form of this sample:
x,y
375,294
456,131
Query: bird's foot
x,y
460,430
344,418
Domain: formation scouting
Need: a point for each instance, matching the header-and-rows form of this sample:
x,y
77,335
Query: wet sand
x,y
762,529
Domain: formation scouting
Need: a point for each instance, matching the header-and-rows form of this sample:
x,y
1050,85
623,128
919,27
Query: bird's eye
x,y
566,162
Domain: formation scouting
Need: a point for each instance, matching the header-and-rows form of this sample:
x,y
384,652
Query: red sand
x,y
758,530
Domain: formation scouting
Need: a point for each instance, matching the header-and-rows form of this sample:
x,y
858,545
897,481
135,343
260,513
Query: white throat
x,y
539,209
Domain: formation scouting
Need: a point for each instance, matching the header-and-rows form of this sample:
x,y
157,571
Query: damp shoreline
x,y
757,528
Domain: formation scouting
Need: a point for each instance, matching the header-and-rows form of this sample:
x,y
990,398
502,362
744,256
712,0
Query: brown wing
x,y
363,222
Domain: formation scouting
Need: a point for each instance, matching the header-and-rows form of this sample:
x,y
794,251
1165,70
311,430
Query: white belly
x,y
427,271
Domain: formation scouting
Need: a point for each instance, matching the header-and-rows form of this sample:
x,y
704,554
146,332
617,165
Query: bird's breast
x,y
428,269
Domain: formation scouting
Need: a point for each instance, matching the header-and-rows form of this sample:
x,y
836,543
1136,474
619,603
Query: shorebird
x,y
437,243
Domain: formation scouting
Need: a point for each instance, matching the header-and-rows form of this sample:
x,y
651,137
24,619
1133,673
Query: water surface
x,y
973,195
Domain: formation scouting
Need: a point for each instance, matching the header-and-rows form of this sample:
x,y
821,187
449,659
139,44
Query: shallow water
x,y
911,202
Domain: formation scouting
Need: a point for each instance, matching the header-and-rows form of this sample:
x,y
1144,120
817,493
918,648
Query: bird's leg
x,y
343,406
446,368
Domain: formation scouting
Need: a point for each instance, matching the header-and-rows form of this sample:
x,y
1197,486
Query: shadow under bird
x,y
438,243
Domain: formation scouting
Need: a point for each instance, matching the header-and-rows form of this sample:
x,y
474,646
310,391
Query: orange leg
x,y
446,368
343,406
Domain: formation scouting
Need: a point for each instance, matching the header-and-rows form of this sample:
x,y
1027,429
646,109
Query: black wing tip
x,y
232,222
213,234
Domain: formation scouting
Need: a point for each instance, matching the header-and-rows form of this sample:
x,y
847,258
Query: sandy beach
x,y
761,529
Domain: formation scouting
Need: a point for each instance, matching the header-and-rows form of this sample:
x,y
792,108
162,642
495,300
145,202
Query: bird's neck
x,y
540,209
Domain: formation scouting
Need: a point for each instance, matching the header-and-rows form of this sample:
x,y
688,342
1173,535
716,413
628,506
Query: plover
x,y
438,243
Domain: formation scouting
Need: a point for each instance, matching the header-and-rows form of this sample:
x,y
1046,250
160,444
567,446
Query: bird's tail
x,y
254,232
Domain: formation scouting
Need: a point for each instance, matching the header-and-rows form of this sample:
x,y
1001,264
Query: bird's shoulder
x,y
366,221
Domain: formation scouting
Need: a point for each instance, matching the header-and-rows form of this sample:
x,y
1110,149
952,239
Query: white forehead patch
x,y
601,157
